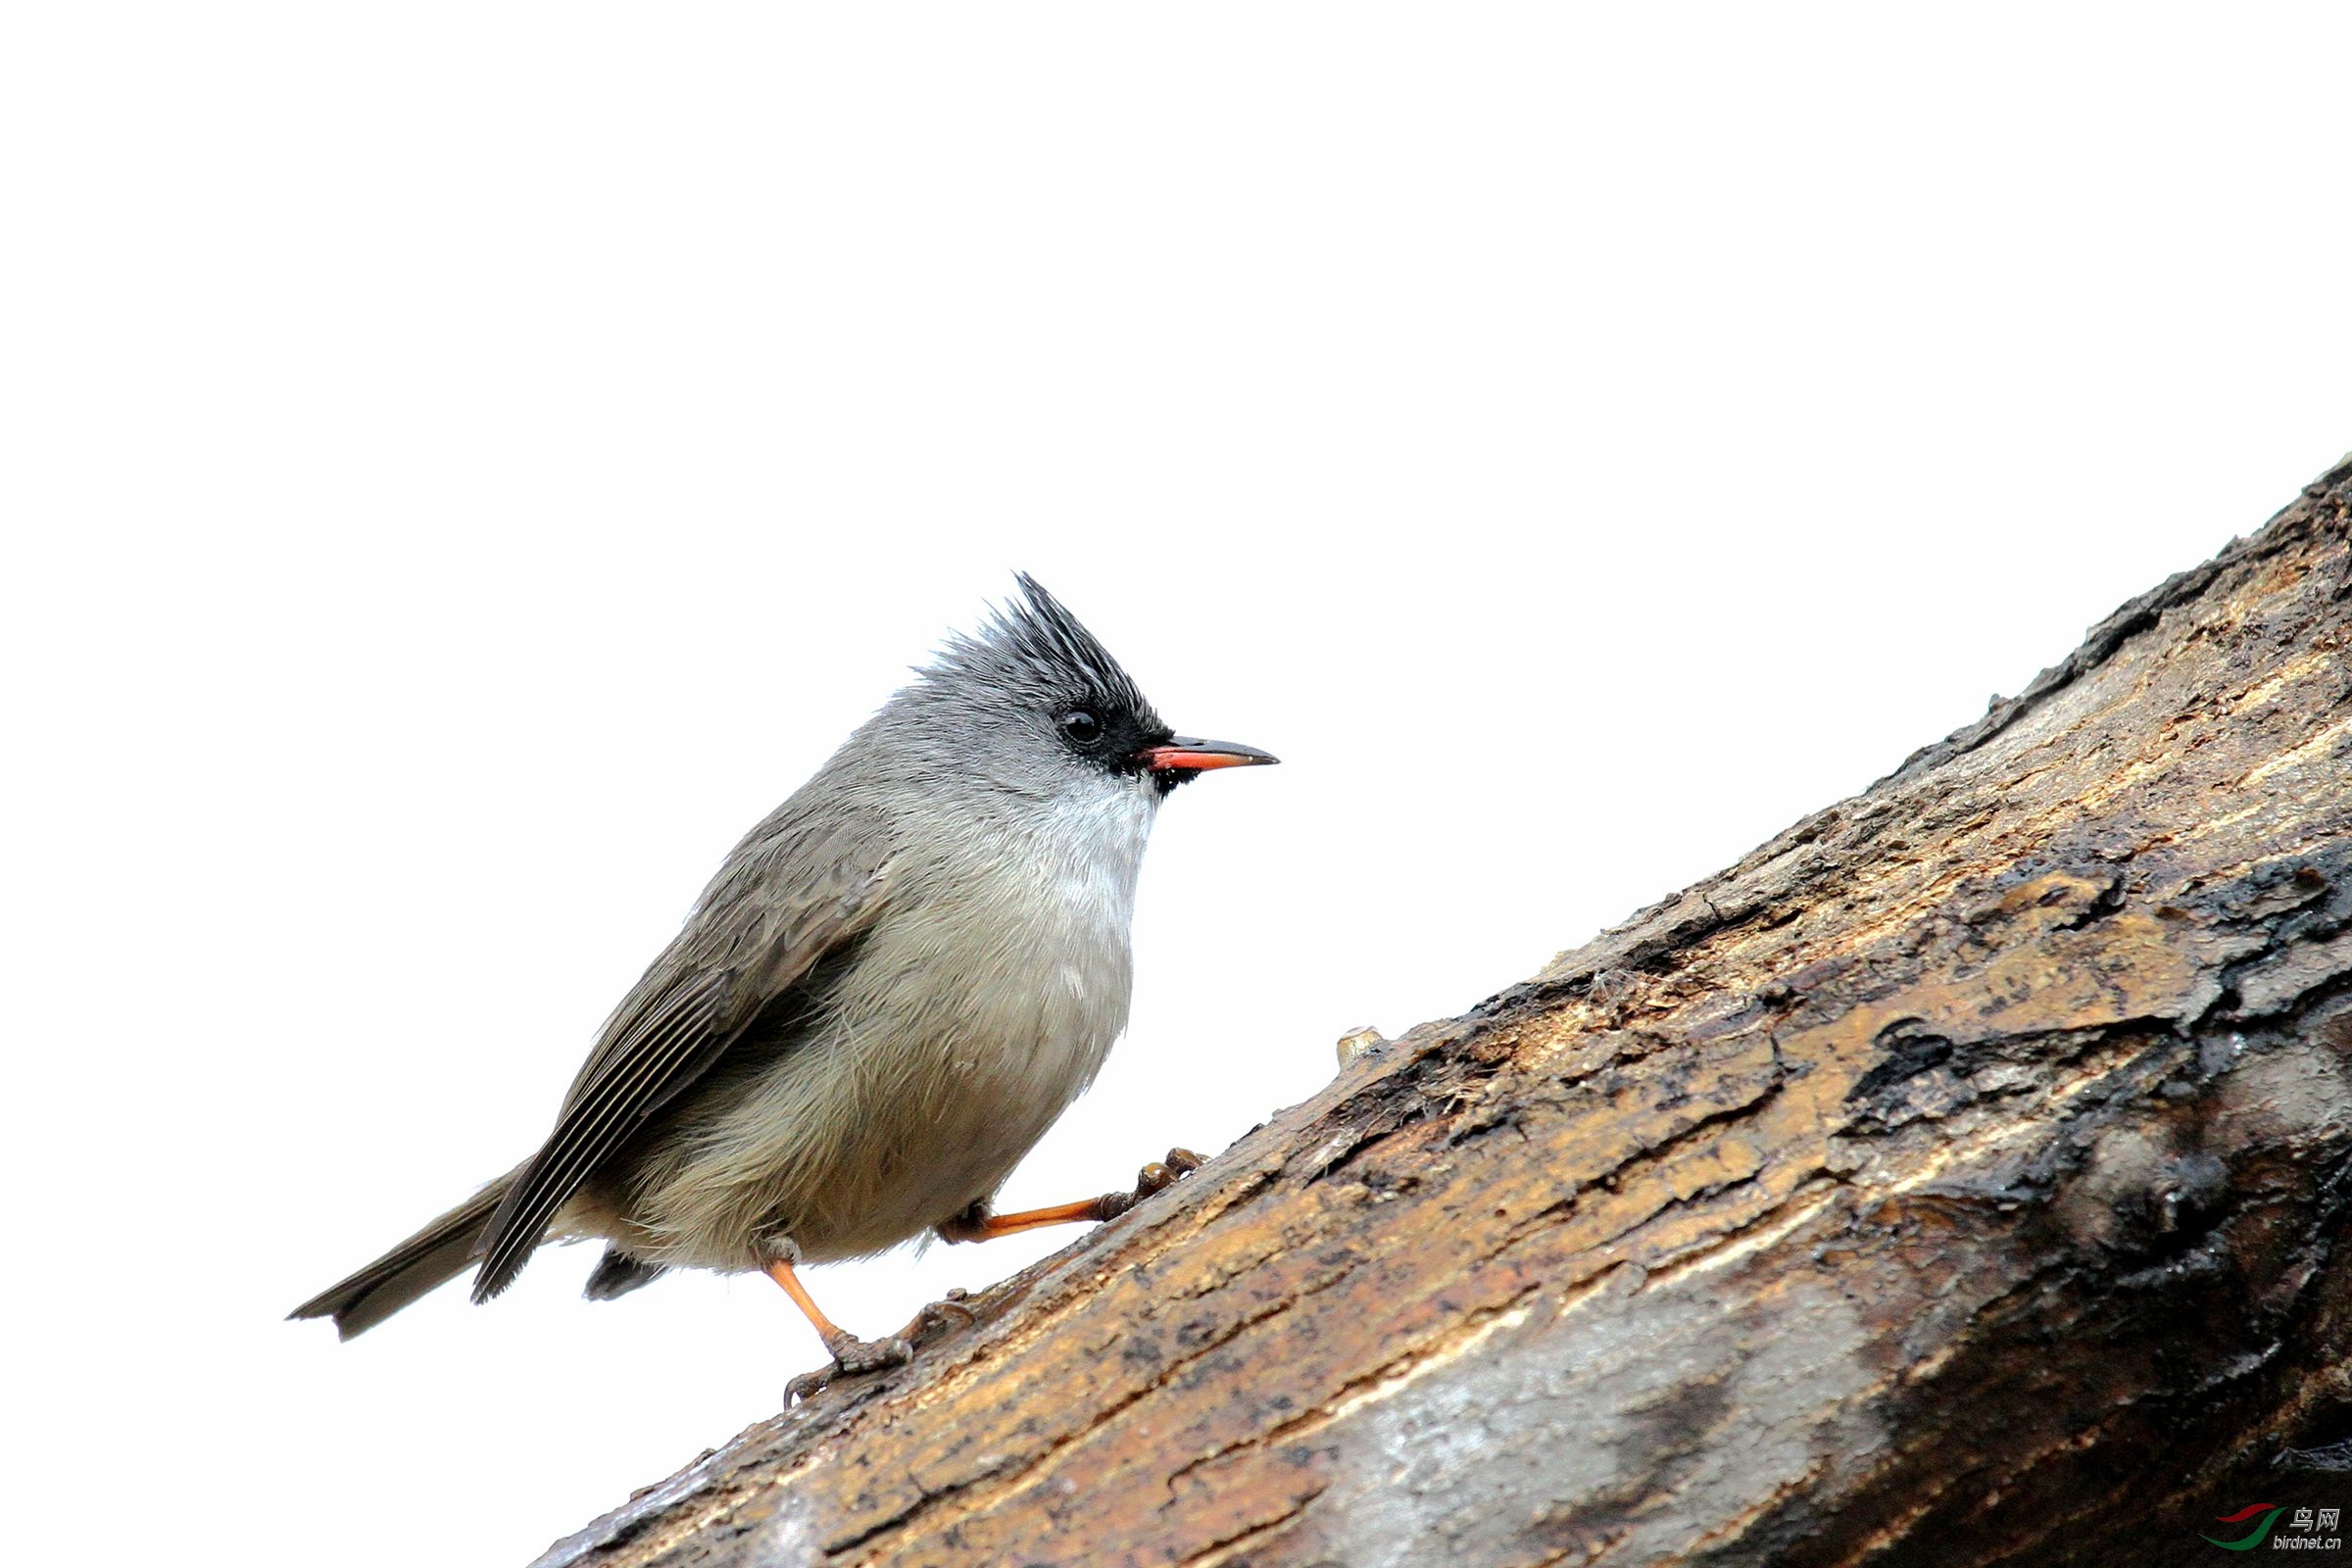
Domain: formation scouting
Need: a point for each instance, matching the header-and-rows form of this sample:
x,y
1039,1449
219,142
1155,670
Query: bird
x,y
894,985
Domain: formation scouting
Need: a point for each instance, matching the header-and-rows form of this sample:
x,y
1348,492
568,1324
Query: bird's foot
x,y
852,1358
977,1224
1157,1177
951,1311
1161,1174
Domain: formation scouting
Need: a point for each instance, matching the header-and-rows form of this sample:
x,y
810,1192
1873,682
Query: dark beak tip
x,y
1183,752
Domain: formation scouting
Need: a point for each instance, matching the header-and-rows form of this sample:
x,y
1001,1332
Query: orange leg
x,y
977,1224
850,1353
781,1271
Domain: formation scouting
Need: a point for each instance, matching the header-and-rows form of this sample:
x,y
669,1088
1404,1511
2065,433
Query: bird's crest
x,y
1038,643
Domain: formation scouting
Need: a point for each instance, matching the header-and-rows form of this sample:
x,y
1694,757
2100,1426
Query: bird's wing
x,y
792,893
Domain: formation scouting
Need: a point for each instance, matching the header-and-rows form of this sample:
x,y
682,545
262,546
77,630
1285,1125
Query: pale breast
x,y
975,1011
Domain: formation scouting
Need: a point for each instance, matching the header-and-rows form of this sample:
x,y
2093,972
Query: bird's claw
x,y
1162,1174
852,1355
1157,1177
852,1358
938,1317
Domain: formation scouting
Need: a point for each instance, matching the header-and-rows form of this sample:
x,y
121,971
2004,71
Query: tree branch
x,y
1955,1180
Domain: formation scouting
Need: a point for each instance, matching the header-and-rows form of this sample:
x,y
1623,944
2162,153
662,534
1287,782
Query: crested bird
x,y
893,987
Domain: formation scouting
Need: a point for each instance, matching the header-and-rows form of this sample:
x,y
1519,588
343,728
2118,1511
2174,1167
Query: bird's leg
x,y
977,1224
851,1355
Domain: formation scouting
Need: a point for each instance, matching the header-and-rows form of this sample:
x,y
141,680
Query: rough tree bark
x,y
1958,1179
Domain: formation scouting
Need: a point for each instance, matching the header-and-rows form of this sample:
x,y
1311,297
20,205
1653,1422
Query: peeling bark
x,y
1955,1180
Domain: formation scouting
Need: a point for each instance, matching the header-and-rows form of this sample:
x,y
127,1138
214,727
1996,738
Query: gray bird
x,y
893,987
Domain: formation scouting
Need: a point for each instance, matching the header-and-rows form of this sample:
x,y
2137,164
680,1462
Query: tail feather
x,y
619,1274
439,1253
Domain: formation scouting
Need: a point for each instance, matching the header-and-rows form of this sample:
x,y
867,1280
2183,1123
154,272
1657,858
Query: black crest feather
x,y
1037,643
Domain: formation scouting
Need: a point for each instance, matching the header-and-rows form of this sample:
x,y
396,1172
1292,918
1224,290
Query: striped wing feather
x,y
790,893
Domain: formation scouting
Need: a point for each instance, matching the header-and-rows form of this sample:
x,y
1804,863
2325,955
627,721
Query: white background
x,y
464,464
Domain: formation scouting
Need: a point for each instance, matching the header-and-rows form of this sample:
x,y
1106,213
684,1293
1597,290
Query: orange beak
x,y
1182,753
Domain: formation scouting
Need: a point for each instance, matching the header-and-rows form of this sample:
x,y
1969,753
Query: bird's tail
x,y
440,1252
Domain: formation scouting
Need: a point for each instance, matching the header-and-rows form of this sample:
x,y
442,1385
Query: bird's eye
x,y
1082,727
